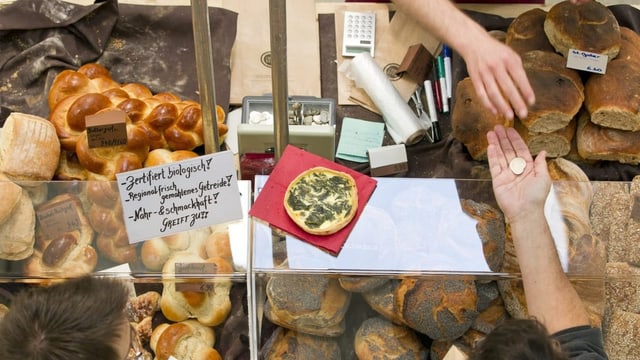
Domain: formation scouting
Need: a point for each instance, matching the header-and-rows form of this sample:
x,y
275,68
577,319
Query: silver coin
x,y
517,165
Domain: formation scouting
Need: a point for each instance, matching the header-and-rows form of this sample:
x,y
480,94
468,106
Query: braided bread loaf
x,y
160,121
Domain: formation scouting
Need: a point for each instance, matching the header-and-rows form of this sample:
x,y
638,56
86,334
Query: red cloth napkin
x,y
269,205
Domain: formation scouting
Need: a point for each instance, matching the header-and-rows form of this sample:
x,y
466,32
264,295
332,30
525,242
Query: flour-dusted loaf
x,y
559,92
526,32
322,201
208,301
470,120
377,335
29,148
312,304
587,26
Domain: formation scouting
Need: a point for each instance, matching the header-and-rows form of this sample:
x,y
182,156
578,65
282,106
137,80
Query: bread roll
x,y
587,26
210,305
382,299
377,336
17,231
69,254
596,142
184,340
156,251
284,344
526,32
470,120
559,92
312,304
440,309
164,156
29,148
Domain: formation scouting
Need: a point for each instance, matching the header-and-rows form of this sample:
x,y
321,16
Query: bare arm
x,y
550,296
494,68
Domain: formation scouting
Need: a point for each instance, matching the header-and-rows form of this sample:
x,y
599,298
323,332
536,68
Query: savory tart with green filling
x,y
322,201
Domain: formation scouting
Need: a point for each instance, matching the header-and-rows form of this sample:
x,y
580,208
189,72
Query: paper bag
x,y
402,33
251,54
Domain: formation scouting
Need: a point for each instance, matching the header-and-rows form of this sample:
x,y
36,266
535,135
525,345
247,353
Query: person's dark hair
x,y
75,319
518,339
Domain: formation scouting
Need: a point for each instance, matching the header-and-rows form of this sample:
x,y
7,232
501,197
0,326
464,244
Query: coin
x,y
517,165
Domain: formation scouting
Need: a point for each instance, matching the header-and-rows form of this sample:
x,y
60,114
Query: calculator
x,y
359,33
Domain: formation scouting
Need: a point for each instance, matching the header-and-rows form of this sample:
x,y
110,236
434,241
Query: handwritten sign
x,y
176,197
106,128
587,61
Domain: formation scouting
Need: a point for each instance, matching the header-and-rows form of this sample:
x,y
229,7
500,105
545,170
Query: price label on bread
x,y
194,269
59,217
106,128
322,201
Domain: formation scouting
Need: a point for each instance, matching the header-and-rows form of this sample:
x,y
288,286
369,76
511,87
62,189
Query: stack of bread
x,y
593,115
153,121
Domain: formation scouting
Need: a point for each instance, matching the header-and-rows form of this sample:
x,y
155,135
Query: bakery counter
x,y
440,247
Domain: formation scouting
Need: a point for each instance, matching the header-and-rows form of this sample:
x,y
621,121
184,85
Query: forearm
x,y
550,296
443,20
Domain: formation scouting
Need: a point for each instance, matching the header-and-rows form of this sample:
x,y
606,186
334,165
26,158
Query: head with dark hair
x,y
518,339
81,318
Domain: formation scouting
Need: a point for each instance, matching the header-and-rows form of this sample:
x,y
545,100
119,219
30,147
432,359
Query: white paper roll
x,y
402,123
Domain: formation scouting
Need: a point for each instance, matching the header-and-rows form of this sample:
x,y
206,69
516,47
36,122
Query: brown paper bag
x,y
403,32
250,56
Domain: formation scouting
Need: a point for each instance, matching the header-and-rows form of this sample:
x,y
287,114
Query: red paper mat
x,y
269,205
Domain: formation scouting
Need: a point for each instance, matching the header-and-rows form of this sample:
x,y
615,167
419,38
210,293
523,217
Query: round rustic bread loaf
x,y
285,344
557,143
382,299
526,32
312,304
490,229
588,26
440,309
361,283
377,336
596,142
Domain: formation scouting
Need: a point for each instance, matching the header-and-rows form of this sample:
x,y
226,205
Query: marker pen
x,y
436,88
433,112
446,52
442,81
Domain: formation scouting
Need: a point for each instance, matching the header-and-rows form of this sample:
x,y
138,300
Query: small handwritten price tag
x,y
107,128
198,268
58,218
177,197
587,61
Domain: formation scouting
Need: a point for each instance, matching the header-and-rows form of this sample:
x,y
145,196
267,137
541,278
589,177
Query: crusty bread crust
x,y
324,209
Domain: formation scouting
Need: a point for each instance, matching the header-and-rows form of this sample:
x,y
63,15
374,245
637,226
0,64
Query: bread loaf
x,y
89,78
68,254
184,340
361,283
559,91
164,156
312,304
284,344
440,309
29,148
526,32
17,222
209,303
490,229
622,335
556,144
587,26
596,142
470,120
376,336
382,299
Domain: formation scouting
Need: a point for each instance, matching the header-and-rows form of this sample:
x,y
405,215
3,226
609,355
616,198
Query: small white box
x,y
388,160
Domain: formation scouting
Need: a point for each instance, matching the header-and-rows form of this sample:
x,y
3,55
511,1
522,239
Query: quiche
x,y
321,200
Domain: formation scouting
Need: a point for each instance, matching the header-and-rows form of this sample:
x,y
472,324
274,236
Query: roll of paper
x,y
402,123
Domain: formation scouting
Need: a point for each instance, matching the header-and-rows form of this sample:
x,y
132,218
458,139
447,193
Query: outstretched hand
x,y
517,195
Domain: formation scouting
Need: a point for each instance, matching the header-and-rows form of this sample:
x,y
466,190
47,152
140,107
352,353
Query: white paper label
x,y
587,61
176,197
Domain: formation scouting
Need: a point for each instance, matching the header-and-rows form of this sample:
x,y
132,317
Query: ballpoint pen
x,y
433,113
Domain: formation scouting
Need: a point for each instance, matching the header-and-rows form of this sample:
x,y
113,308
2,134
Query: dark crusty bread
x,y
556,144
286,344
588,26
596,142
470,120
629,45
559,91
490,228
612,98
377,336
312,304
526,32
440,309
